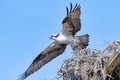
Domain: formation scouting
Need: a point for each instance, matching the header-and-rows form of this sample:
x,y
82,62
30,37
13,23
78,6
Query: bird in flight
x,y
71,25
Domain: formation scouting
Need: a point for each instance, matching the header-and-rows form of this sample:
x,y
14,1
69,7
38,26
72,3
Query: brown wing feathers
x,y
72,20
72,9
44,57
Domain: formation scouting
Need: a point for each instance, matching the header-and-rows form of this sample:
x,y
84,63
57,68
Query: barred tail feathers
x,y
83,42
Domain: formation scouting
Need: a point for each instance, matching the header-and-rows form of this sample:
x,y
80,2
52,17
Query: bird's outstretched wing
x,y
71,23
44,57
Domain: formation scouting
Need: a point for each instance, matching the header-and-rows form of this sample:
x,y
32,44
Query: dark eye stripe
x,y
55,35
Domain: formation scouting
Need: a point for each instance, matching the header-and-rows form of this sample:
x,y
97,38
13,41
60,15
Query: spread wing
x,y
44,57
71,23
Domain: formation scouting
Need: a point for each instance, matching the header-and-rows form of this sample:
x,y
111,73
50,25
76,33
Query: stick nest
x,y
87,64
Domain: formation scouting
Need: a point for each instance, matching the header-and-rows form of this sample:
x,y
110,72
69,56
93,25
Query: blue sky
x,y
26,25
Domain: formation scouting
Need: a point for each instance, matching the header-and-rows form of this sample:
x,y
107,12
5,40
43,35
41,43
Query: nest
x,y
87,64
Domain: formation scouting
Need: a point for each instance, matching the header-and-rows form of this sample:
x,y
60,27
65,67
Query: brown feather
x,y
72,19
44,57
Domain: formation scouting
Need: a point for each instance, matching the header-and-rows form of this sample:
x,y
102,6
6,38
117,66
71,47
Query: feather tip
x,y
21,77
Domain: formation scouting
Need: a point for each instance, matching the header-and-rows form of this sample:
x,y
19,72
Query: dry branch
x,y
91,64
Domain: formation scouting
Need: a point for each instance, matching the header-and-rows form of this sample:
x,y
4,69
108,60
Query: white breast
x,y
65,39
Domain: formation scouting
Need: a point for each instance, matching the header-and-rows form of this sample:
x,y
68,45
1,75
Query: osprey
x,y
71,25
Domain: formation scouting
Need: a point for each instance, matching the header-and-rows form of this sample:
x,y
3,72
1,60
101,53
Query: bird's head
x,y
54,36
117,42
